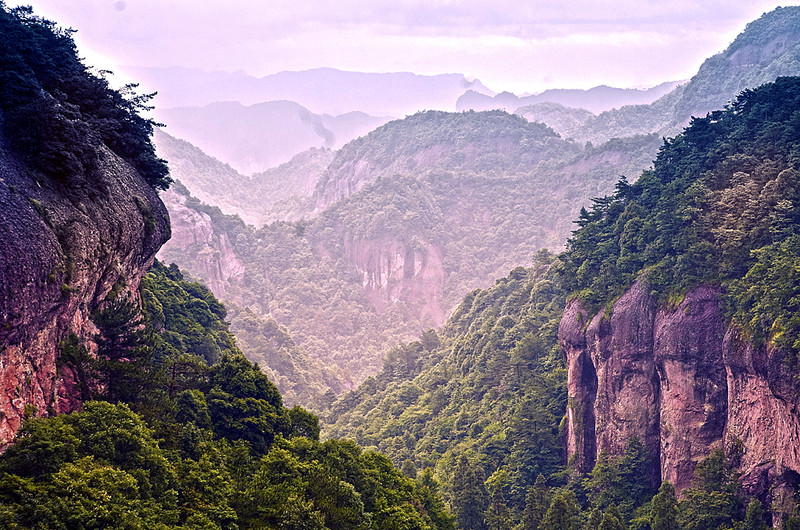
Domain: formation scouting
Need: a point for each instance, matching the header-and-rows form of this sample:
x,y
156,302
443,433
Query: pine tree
x,y
469,496
664,509
561,513
754,520
535,504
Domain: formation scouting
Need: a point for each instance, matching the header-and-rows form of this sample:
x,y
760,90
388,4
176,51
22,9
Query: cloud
x,y
505,43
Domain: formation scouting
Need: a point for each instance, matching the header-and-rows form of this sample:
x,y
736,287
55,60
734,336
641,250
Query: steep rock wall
x,y
63,248
393,270
685,384
214,258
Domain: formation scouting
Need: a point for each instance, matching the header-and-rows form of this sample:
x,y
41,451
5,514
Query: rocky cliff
x,y
685,383
63,249
214,258
394,271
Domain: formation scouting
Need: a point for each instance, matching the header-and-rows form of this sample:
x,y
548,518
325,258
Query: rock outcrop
x,y
214,258
685,383
392,271
64,246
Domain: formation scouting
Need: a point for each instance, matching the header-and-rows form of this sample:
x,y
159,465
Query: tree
x,y
754,518
664,508
610,522
536,504
561,513
469,496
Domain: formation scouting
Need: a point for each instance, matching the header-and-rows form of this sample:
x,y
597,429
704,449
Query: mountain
x,y
322,90
595,100
81,220
768,48
409,218
258,137
282,193
672,367
125,401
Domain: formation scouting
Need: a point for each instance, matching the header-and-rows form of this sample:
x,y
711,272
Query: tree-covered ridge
x,y
482,132
178,443
490,386
482,403
721,206
481,224
57,112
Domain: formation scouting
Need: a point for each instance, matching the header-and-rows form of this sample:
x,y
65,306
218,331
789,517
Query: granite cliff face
x,y
63,249
392,271
685,383
214,258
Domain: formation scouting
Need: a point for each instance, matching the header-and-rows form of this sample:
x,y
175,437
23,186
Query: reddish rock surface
x,y
214,258
685,384
392,271
63,247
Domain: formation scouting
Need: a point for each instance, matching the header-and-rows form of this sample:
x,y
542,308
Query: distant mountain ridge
x,y
282,193
595,100
322,90
768,48
255,138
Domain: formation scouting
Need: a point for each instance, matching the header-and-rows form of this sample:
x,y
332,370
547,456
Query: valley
x,y
330,299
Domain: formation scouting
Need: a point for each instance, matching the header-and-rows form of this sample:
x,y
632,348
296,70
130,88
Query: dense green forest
x,y
481,400
55,111
485,213
721,206
179,430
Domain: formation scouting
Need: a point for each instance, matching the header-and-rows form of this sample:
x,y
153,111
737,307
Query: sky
x,y
519,46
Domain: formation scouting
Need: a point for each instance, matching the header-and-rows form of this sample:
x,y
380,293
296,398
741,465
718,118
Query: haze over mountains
x,y
257,123
642,376
434,196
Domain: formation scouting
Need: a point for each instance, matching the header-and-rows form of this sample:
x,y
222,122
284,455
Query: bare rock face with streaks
x,y
392,271
63,248
685,383
193,232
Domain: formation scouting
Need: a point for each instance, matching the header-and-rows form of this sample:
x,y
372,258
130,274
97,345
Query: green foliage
x,y
714,500
624,481
469,496
664,508
490,384
57,113
562,512
721,206
211,447
474,194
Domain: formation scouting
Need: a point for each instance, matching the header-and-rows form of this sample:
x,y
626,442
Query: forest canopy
x,y
56,112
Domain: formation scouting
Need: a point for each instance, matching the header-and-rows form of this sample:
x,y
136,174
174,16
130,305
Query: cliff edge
x,y
685,383
62,251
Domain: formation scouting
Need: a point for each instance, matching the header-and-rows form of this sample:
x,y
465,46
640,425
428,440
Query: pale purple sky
x,y
520,46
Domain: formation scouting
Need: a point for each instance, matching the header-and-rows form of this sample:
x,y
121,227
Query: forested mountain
x,y
261,136
186,433
680,338
418,212
408,218
283,193
125,401
595,100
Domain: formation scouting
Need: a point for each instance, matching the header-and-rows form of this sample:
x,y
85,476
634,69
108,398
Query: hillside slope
x,y
283,193
680,342
428,208
80,220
